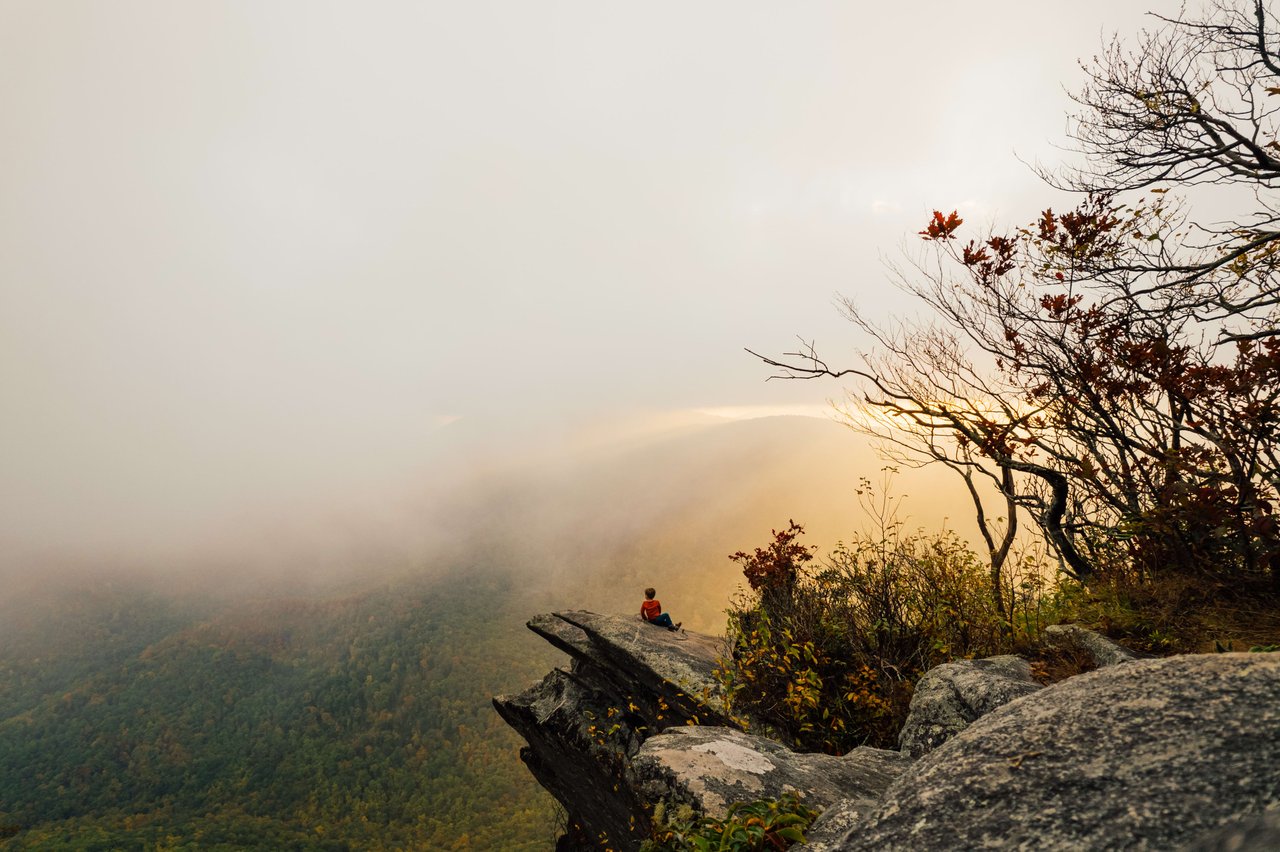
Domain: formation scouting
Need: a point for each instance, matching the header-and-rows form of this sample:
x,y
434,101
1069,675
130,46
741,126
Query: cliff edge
x,y
626,681
1181,752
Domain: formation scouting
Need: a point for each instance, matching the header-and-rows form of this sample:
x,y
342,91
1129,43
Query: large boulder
x,y
710,768
1151,754
951,697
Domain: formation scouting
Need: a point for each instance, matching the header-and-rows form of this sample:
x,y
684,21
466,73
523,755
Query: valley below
x,y
160,710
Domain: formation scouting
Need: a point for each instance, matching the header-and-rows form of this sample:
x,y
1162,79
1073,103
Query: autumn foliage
x,y
831,665
776,568
1162,425
941,227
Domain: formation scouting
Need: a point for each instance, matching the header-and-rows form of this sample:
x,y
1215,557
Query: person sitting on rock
x,y
651,611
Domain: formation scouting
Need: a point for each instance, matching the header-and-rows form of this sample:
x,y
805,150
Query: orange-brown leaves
x,y
778,566
1087,233
1058,305
989,260
942,227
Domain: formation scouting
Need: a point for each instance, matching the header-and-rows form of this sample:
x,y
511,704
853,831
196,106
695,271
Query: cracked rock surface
x,y
1151,754
951,697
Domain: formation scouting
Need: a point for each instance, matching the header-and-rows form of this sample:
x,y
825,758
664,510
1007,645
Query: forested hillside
x,y
358,715
359,721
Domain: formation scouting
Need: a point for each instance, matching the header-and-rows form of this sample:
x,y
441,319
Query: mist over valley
x,y
242,701
338,340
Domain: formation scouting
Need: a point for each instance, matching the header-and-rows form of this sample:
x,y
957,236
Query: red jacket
x,y
649,610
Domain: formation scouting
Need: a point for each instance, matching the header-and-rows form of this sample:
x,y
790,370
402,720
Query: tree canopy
x,y
1113,370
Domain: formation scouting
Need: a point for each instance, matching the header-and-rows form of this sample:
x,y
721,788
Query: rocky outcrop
x,y
951,697
1147,755
710,768
1139,754
1099,648
671,674
571,753
626,681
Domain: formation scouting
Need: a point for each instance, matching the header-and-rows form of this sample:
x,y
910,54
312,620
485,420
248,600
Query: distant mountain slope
x,y
355,722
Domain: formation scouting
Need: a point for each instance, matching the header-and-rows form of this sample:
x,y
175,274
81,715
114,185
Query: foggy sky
x,y
254,256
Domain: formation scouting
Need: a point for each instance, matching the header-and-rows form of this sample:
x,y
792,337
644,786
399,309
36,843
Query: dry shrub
x,y
829,661
1175,612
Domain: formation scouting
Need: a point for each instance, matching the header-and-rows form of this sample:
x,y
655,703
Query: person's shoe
x,y
675,628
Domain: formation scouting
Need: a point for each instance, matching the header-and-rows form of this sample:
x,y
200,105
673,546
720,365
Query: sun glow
x,y
752,412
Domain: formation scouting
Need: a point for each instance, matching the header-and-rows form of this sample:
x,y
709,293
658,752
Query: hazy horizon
x,y
264,263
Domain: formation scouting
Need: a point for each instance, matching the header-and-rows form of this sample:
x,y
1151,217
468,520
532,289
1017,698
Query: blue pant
x,y
663,620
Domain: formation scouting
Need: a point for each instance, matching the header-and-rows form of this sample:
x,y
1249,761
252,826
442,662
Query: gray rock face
x,y
951,697
836,822
570,755
1251,834
627,681
676,671
1147,755
709,768
1102,650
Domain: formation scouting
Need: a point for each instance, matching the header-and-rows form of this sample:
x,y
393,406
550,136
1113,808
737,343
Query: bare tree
x,y
1195,103
921,396
1115,369
1103,409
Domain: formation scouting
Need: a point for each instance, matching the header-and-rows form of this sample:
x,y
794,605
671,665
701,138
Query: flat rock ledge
x,y
706,769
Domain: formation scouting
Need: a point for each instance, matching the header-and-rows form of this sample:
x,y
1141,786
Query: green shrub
x,y
831,664
768,824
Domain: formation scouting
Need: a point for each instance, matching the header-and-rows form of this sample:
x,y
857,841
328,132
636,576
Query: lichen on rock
x,y
1146,755
951,697
710,768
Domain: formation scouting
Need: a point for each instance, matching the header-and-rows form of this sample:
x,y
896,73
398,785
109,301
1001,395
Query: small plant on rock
x,y
760,826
